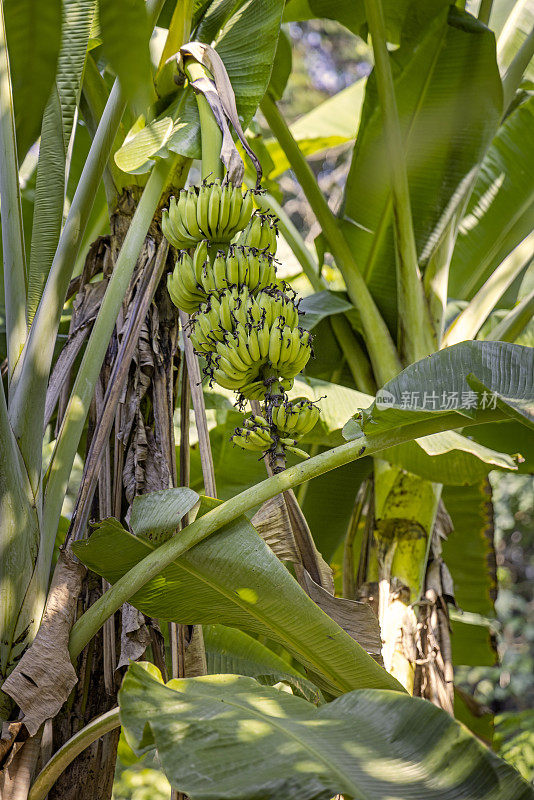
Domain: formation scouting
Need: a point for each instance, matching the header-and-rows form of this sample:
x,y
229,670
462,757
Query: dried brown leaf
x,y
135,635
357,619
272,523
44,677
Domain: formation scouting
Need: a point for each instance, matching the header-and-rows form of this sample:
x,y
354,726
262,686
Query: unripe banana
x,y
203,199
260,233
225,206
213,210
243,319
191,215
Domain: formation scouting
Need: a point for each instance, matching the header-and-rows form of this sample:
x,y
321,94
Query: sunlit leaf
x,y
34,36
252,741
449,100
233,578
501,210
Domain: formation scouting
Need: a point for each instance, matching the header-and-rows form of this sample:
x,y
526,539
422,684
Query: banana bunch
x,y
255,434
212,211
296,417
195,278
261,233
183,284
289,349
244,320
241,266
237,357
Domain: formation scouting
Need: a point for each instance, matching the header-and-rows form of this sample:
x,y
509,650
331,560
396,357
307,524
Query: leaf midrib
x,y
262,716
261,617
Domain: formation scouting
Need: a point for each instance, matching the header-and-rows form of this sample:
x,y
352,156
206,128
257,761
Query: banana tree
x,y
415,197
95,377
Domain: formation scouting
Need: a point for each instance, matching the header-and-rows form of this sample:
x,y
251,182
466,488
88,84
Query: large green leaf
x,y
230,650
34,37
332,123
235,579
501,209
228,737
449,100
321,305
55,138
513,437
443,384
125,33
248,64
473,644
448,458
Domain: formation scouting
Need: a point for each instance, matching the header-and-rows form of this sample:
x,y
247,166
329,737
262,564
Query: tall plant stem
x,y
484,12
12,231
356,358
212,166
58,473
384,357
417,334
68,752
515,71
33,368
151,566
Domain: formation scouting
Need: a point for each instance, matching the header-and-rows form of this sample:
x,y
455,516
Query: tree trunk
x,y
138,457
404,512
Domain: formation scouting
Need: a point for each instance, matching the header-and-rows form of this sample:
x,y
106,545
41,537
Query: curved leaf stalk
x,y
27,408
417,335
67,753
384,357
12,230
90,622
356,358
95,95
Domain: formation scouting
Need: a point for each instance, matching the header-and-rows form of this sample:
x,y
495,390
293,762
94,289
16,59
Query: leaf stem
x,y
514,322
72,748
212,166
356,358
468,323
151,566
484,12
417,334
515,71
14,254
384,358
